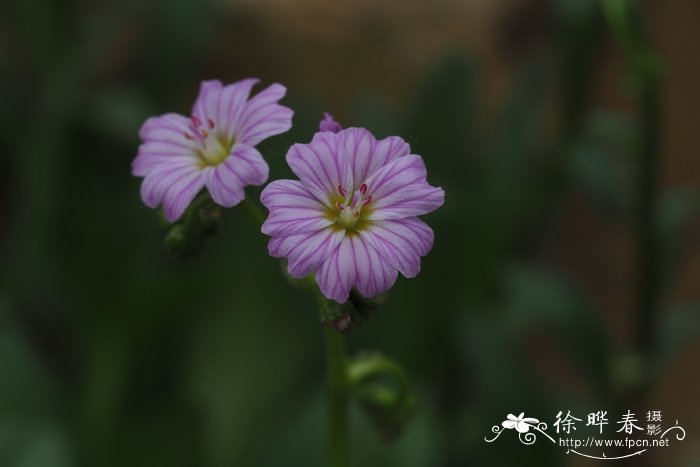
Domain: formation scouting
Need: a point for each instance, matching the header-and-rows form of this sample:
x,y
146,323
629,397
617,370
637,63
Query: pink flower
x,y
214,148
351,216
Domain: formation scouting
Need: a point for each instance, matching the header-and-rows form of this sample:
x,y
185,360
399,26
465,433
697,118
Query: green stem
x,y
337,394
200,202
647,247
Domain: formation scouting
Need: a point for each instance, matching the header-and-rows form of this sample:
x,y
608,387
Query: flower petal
x,y
306,251
163,141
226,181
174,187
293,210
264,117
224,105
181,194
400,190
401,243
294,221
288,194
224,185
319,166
508,424
366,155
248,164
354,264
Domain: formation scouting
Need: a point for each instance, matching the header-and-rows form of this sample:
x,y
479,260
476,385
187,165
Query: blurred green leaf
x,y
601,161
31,432
119,112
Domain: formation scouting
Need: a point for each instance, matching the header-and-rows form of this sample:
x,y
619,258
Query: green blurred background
x,y
564,274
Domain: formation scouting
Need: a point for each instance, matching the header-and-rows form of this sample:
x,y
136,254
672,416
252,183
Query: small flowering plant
x,y
349,223
214,148
351,218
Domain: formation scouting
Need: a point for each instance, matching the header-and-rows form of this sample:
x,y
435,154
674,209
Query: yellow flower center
x,y
214,147
350,209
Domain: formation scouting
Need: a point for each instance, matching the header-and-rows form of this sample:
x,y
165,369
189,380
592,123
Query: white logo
x,y
653,435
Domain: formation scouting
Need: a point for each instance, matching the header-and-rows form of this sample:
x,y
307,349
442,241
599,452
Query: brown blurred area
x,y
338,48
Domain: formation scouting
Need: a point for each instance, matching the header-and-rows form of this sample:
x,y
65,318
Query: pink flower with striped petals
x,y
214,148
351,218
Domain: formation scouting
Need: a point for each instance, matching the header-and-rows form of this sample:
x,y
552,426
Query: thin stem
x,y
647,247
337,393
200,202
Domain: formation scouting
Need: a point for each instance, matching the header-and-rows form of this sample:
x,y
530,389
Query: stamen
x,y
196,121
349,208
211,123
188,136
205,133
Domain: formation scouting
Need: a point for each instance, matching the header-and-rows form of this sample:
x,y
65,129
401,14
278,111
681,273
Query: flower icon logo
x,y
522,425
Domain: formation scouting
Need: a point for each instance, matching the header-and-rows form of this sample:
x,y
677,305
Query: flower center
x,y
213,148
351,209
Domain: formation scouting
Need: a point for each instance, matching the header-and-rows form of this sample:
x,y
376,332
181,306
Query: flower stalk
x,y
337,392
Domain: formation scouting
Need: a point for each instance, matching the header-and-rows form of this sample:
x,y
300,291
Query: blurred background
x,y
564,274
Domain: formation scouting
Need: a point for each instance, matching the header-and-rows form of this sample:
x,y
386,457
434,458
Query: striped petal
x,y
400,190
354,264
181,194
293,210
224,185
263,117
401,243
248,164
306,251
226,181
367,155
174,187
223,105
164,143
320,168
